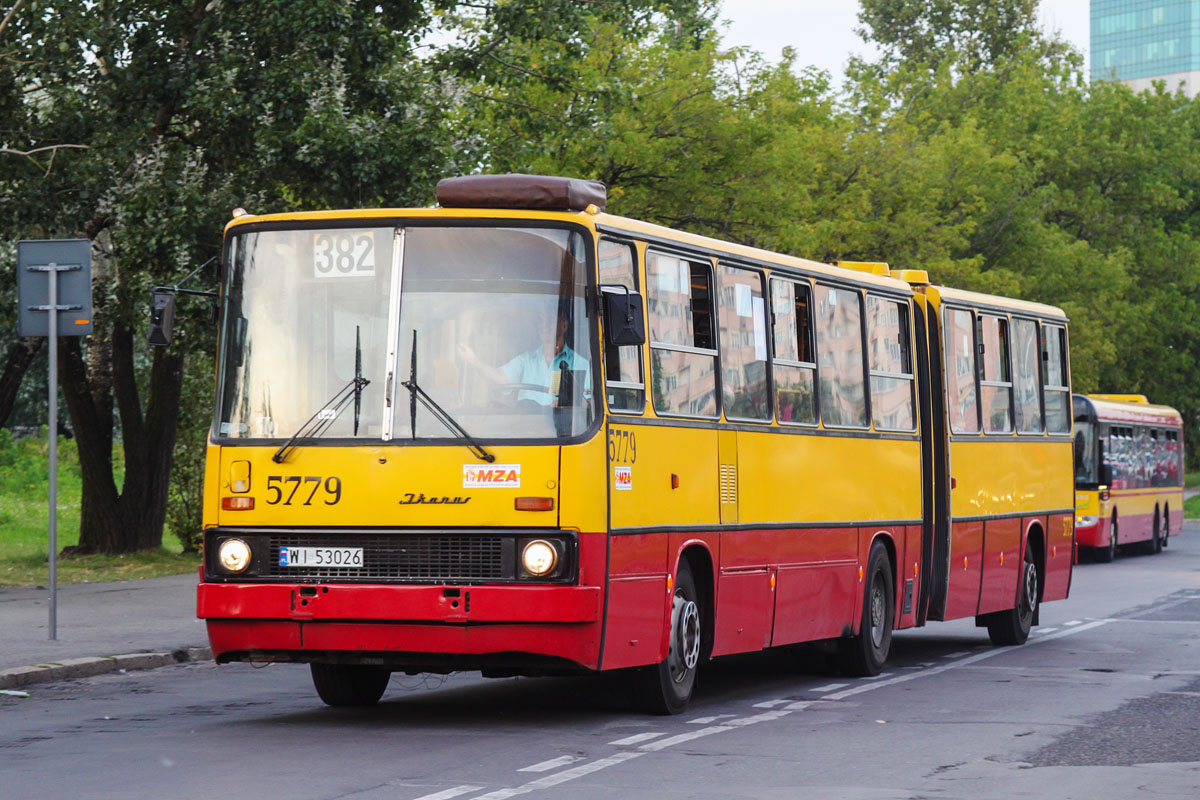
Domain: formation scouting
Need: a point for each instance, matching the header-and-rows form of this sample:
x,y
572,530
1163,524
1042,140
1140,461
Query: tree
x,y
139,124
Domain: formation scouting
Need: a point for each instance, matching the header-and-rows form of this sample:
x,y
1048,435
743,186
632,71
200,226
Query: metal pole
x,y
53,342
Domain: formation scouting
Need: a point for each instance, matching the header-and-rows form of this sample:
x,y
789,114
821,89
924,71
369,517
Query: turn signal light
x,y
534,504
237,503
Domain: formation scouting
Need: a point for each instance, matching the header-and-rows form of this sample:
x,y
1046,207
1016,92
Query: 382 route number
x,y
285,490
344,254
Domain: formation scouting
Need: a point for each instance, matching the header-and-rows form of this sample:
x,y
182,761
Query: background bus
x,y
1129,473
518,435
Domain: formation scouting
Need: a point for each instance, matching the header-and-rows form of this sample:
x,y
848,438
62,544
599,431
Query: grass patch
x,y
1191,479
1191,507
25,523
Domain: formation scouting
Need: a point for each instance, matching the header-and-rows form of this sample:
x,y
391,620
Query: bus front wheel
x,y
666,688
864,655
349,684
1012,627
1107,554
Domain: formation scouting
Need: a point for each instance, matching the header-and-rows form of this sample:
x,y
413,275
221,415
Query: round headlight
x,y
539,558
234,555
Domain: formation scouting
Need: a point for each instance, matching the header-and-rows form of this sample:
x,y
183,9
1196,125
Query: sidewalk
x,y
152,621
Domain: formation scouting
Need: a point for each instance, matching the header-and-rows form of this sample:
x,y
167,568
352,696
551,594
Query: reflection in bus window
x,y
1056,379
743,344
682,352
1028,386
961,402
622,365
795,367
890,359
840,357
996,380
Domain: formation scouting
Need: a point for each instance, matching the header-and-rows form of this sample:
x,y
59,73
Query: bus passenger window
x,y
840,357
962,402
624,387
794,368
682,352
1057,383
1028,386
891,365
996,376
743,338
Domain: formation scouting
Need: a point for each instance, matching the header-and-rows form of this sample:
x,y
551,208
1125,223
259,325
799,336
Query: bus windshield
x,y
1087,461
490,323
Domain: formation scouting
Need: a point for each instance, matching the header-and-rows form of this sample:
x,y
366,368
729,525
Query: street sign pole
x,y
48,256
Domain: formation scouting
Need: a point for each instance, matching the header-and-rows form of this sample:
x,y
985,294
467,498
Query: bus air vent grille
x,y
728,483
389,557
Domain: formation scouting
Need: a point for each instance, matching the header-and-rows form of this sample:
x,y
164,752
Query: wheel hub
x,y
685,637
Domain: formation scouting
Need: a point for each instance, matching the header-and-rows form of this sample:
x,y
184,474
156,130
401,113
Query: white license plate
x,y
344,557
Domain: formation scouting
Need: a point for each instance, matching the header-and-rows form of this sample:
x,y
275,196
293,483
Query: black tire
x,y
1011,627
349,684
1105,555
1155,545
864,654
666,688
1166,527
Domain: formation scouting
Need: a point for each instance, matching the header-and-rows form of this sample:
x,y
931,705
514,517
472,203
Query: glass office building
x,y
1138,42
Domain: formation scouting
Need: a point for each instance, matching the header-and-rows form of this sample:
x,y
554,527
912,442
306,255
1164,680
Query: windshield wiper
x,y
417,393
319,422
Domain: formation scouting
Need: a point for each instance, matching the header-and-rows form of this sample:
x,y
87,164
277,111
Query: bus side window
x,y
996,375
743,339
840,357
624,387
962,400
1028,385
890,358
682,351
794,369
1056,380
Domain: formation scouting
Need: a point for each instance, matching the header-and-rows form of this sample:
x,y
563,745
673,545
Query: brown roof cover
x,y
541,192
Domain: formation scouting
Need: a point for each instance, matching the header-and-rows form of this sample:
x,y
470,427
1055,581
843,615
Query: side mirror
x,y
1106,474
162,319
624,323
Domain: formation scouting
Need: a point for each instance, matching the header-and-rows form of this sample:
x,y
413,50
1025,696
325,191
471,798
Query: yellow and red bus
x,y
1129,473
517,434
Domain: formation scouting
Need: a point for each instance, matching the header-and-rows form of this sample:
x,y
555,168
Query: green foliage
x,y
25,463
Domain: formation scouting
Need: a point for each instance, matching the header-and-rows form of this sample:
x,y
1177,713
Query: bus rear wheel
x,y
666,688
1155,545
865,654
349,684
1012,627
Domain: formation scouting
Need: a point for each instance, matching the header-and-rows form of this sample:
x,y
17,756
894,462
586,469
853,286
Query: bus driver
x,y
541,366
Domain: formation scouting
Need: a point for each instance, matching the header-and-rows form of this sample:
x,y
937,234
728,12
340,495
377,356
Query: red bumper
x,y
290,621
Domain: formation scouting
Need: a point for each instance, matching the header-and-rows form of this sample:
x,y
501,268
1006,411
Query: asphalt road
x,y
1103,702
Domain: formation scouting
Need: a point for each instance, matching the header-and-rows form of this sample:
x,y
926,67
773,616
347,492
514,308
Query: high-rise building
x,y
1138,42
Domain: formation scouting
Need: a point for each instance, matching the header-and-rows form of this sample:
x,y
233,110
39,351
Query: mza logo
x,y
623,479
492,476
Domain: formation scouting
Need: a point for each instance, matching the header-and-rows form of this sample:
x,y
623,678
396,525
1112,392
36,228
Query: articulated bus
x,y
517,434
1129,473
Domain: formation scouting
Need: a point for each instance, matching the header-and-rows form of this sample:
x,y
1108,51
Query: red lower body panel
x,y
290,620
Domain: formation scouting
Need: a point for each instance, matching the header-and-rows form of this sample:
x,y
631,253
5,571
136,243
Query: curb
x,y
89,667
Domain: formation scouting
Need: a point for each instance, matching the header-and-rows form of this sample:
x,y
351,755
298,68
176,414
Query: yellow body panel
x,y
827,478
657,454
1011,477
395,485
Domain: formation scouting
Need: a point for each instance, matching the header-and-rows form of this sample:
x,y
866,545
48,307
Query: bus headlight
x,y
1086,521
233,555
539,558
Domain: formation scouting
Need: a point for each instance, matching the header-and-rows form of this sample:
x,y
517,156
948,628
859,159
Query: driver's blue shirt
x,y
531,367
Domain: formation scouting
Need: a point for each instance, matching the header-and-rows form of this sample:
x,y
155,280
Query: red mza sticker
x,y
491,476
623,479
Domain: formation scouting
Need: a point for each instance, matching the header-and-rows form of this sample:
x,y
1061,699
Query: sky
x,y
822,31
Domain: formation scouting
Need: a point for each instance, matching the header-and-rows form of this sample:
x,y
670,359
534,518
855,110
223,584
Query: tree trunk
x,y
132,519
20,356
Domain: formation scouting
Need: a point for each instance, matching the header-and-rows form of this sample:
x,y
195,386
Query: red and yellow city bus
x,y
519,435
1129,473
